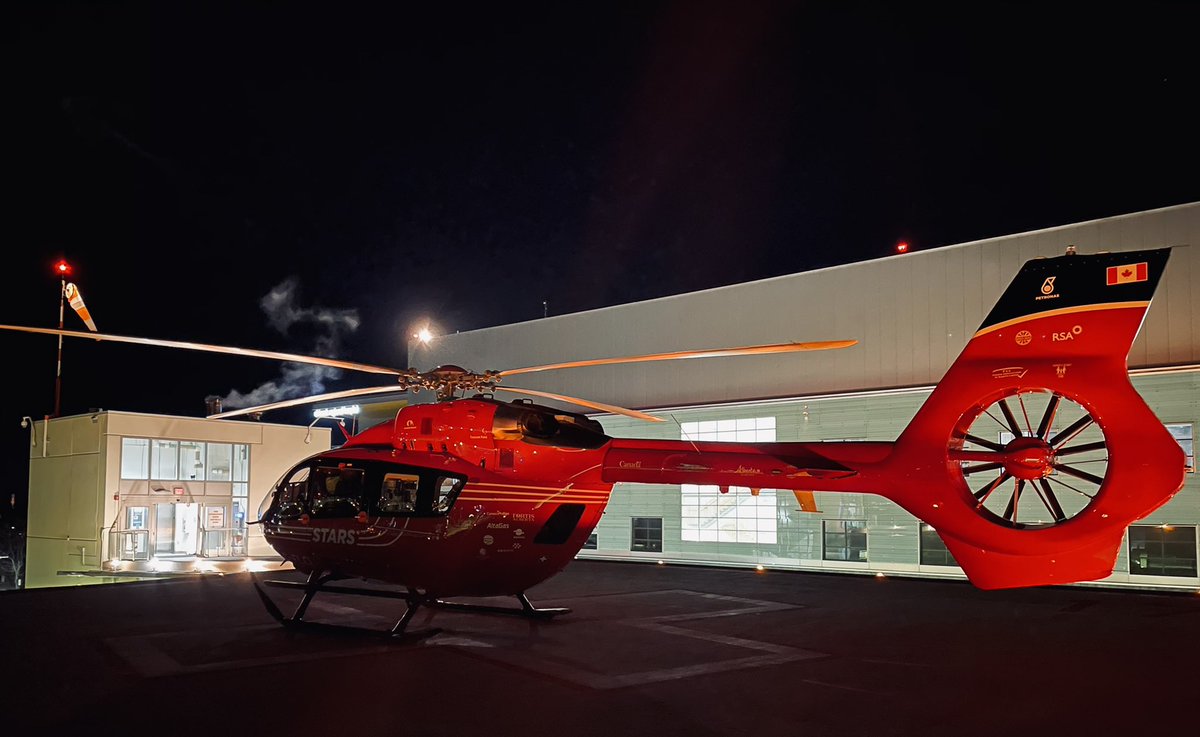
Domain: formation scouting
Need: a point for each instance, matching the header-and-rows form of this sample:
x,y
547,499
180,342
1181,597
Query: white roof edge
x,y
824,269
127,413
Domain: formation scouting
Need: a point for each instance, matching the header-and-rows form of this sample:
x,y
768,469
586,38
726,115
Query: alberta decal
x,y
1128,274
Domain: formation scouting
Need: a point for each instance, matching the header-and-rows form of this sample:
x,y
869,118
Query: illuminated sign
x,y
352,409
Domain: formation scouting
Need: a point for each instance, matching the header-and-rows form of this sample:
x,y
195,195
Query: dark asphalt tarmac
x,y
647,650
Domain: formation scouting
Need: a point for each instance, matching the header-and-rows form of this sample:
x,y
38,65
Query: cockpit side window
x,y
292,494
336,491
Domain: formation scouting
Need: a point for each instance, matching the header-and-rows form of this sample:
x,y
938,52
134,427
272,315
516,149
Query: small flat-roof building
x,y
912,315
114,493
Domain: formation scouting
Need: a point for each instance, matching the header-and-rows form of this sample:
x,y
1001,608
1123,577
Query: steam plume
x,y
328,327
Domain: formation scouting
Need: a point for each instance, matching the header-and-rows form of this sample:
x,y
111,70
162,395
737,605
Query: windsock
x,y
76,300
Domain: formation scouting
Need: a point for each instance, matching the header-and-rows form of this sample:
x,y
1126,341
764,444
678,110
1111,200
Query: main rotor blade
x,y
294,357
750,350
584,403
366,391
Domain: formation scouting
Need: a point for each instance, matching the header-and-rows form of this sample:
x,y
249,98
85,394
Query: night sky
x,y
369,166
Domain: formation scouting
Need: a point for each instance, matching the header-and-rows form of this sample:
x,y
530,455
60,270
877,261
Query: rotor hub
x,y
1028,458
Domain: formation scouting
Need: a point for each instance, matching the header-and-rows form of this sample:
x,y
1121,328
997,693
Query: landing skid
x,y
413,599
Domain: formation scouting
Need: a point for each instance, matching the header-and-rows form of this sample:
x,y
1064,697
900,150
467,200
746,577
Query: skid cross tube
x,y
414,600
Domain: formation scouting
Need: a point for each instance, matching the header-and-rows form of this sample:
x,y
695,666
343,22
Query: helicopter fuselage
x,y
469,497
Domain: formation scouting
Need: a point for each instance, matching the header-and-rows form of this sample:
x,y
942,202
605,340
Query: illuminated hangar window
x,y
739,516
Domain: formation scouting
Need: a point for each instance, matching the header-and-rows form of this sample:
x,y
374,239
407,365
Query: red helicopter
x,y
470,496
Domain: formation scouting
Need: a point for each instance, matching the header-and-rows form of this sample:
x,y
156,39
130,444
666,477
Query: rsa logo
x,y
1066,334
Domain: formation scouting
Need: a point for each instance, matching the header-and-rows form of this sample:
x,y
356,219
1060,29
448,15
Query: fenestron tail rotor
x,y
1044,463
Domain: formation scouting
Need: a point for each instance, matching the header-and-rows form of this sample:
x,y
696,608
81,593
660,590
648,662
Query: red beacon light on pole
x,y
902,247
62,268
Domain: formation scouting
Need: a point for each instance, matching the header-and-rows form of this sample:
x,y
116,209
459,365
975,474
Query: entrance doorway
x,y
176,528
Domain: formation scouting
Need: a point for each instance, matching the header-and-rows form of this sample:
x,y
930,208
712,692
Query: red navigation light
x,y
902,247
62,268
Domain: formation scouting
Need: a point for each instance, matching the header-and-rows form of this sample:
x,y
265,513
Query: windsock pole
x,y
62,301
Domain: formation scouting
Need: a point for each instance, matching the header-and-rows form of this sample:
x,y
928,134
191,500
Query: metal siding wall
x,y
912,315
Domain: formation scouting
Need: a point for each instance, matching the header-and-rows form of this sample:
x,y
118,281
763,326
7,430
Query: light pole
x,y
63,269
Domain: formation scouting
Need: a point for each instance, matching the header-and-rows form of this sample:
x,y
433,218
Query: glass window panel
x,y
845,540
220,461
336,491
164,460
135,458
446,491
241,462
1184,435
398,493
647,534
191,460
1162,550
726,426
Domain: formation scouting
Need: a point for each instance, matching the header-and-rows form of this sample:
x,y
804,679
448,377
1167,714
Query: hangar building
x,y
912,314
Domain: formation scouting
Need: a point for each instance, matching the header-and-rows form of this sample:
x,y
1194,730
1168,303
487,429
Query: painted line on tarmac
x,y
586,675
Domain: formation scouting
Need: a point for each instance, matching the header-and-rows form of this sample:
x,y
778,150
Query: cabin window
x,y
446,491
398,494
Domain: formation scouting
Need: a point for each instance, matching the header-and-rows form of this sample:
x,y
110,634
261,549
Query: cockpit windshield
x,y
329,488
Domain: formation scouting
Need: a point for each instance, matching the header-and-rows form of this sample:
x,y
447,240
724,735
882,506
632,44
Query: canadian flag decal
x,y
1127,274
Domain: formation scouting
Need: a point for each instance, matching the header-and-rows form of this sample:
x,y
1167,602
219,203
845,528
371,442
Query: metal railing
x,y
129,544
223,542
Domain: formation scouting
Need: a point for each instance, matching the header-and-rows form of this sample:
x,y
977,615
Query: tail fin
x,y
1047,451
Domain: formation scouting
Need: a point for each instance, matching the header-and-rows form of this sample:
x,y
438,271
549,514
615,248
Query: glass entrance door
x,y
187,528
164,528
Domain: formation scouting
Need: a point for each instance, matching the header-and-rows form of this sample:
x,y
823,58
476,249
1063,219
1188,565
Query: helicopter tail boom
x,y
1030,457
